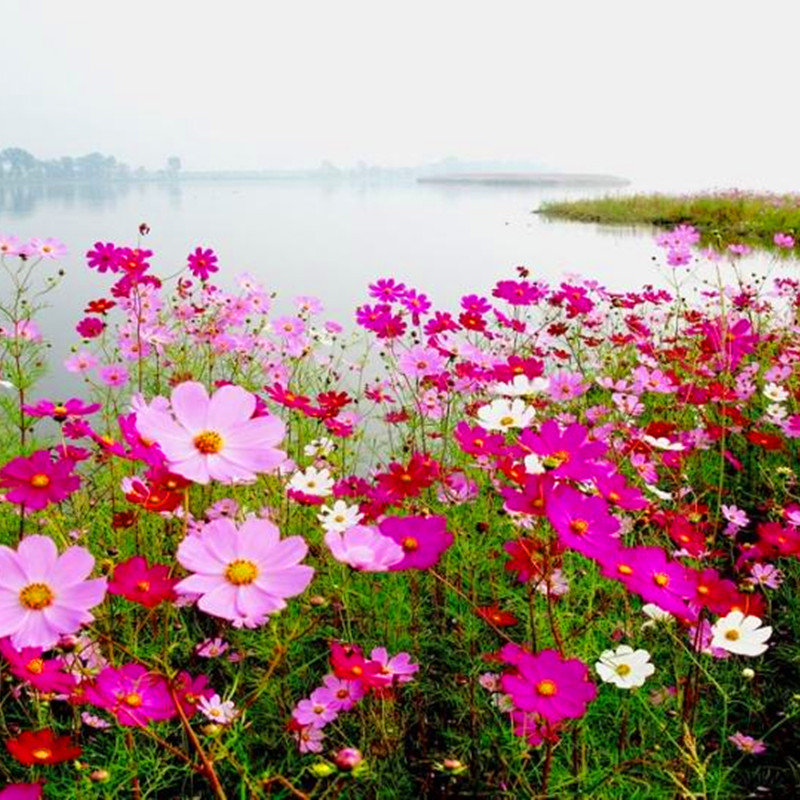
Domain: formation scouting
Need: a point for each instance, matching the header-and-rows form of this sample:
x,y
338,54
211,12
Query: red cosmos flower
x,y
408,481
546,684
189,691
27,664
769,441
348,663
476,441
202,263
42,747
72,408
148,586
497,617
527,558
423,540
101,306
715,593
287,398
37,481
154,496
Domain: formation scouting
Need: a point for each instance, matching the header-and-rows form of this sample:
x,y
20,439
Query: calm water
x,y
327,240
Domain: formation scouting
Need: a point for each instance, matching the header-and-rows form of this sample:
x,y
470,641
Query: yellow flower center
x,y
410,544
60,411
241,572
35,666
143,586
546,688
579,526
661,579
623,670
133,699
732,635
208,442
40,480
556,459
36,596
624,569
505,421
42,753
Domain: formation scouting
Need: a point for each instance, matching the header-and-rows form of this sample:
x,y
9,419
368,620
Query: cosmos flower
x,y
132,694
503,415
42,747
44,595
243,574
148,586
624,667
363,548
202,262
423,539
740,634
37,481
223,712
214,438
747,744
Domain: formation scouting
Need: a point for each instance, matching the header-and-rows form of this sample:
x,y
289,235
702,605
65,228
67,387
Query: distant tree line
x,y
17,164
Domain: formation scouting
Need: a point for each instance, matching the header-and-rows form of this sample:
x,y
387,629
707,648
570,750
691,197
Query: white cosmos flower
x,y
662,443
502,415
218,710
340,517
740,634
655,615
521,386
321,447
316,482
776,393
624,667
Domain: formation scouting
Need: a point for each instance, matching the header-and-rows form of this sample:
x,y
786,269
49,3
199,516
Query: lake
x,y
329,240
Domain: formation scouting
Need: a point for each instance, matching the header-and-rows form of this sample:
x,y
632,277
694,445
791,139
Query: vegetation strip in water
x,y
720,217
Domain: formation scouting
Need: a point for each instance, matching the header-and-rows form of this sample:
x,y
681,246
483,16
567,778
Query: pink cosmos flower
x,y
132,694
419,361
104,257
9,245
747,744
344,694
37,481
318,710
364,548
548,685
49,248
568,453
74,407
243,574
82,361
21,791
44,595
114,375
213,438
399,667
423,540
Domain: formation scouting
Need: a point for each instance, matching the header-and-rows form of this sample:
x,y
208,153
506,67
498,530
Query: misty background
x,y
679,96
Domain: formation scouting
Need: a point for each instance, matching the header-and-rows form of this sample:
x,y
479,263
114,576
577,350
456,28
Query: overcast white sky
x,y
701,92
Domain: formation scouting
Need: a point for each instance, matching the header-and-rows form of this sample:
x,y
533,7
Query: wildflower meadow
x,y
544,544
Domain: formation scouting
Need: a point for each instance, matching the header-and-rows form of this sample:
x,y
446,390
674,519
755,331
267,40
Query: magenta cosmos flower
x,y
37,481
423,539
132,694
548,685
44,595
213,438
202,263
243,574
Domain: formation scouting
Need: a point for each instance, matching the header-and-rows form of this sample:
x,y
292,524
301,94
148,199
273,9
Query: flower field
x,y
544,544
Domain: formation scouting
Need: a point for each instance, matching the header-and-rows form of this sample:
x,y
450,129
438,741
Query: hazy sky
x,y
701,92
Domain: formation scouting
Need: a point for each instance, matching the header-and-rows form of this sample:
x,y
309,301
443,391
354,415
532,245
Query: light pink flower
x,y
44,595
214,438
243,574
363,548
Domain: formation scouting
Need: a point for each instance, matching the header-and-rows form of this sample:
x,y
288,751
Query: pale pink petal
x,y
223,469
220,539
229,406
199,584
13,575
253,602
257,537
286,553
34,631
11,612
82,595
37,555
73,566
193,468
259,432
65,618
221,602
191,407
286,582
195,556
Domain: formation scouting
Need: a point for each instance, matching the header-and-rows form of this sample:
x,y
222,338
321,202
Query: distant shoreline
x,y
526,179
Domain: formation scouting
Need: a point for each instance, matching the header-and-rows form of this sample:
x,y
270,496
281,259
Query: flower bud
x,y
348,758
748,674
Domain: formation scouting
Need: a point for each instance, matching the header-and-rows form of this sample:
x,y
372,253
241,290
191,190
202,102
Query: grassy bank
x,y
721,218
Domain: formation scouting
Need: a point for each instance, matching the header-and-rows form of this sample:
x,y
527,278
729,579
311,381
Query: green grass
x,y
721,217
